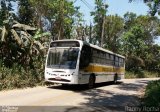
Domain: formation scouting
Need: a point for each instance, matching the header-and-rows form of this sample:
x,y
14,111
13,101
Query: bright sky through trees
x,y
115,7
119,7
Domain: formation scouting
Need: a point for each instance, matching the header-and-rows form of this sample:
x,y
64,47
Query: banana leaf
x,y
41,47
23,26
27,37
35,50
15,22
16,37
3,34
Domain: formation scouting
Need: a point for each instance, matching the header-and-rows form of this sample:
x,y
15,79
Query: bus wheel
x,y
91,81
115,78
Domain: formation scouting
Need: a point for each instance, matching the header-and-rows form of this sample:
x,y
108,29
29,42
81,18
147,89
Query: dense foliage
x,y
19,77
138,42
152,97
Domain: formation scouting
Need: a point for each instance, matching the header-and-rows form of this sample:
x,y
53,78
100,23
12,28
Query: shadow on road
x,y
93,109
139,84
99,100
99,97
79,88
102,99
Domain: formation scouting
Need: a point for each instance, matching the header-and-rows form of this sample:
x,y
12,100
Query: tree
x,y
129,19
5,10
138,42
25,12
133,41
59,13
153,59
114,27
151,26
17,45
99,18
133,45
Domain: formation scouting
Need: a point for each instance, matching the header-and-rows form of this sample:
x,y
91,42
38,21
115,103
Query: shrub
x,y
152,94
140,74
18,77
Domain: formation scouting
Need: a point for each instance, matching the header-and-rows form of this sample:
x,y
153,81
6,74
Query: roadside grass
x,y
152,94
18,77
141,74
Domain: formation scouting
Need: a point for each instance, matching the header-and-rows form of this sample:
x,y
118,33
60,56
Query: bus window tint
x,y
121,62
107,56
111,59
85,57
116,61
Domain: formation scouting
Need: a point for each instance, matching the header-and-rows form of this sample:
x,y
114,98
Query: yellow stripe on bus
x,y
99,68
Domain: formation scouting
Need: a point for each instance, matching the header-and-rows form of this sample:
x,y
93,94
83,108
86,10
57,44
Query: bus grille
x,y
53,79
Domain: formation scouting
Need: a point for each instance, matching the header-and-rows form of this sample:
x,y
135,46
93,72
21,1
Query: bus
x,y
78,62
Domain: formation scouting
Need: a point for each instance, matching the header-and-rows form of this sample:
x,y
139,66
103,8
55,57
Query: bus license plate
x,y
59,78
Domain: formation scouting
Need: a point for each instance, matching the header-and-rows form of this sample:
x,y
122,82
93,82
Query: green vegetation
x,y
141,74
18,77
152,94
25,36
152,60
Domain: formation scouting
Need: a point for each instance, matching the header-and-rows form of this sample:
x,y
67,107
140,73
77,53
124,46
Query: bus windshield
x,y
62,58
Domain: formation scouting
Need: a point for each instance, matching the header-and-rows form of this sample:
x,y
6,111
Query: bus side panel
x,y
83,78
104,78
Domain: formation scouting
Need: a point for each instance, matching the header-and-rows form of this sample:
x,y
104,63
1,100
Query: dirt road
x,y
105,96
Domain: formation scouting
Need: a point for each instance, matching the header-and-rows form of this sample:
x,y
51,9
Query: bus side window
x,y
116,61
94,56
85,57
122,62
111,59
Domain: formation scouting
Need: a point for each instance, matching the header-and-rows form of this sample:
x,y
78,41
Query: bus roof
x,y
105,50
91,45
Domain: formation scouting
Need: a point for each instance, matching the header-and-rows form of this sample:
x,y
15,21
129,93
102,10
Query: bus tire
x,y
91,82
115,79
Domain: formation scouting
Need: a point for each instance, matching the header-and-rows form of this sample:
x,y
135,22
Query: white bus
x,y
78,62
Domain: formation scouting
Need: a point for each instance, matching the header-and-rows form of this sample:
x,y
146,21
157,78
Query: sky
x,y
119,7
115,7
